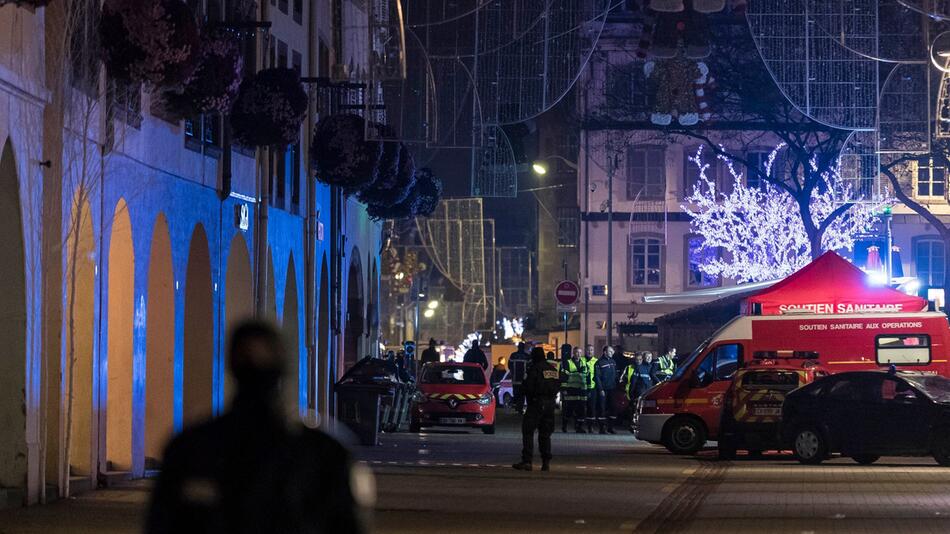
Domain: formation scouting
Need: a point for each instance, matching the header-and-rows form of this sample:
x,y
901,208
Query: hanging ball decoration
x,y
153,44
269,109
396,174
214,85
342,155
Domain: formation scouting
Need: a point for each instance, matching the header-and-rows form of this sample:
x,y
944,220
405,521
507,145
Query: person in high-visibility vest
x,y
590,388
666,366
573,391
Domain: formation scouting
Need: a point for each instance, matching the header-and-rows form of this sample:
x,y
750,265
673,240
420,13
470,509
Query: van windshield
x,y
688,362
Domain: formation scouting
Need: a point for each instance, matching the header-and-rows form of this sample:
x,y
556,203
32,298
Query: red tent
x,y
831,285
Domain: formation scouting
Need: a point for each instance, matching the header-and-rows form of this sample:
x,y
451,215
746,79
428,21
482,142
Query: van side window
x,y
722,363
902,349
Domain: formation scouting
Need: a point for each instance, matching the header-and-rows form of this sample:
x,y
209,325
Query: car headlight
x,y
418,397
485,399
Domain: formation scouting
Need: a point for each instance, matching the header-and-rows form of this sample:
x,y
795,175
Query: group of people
x,y
587,385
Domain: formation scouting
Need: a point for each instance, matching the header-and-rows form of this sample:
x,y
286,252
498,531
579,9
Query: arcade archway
x,y
121,313
159,346
355,309
291,330
238,295
321,395
198,368
13,451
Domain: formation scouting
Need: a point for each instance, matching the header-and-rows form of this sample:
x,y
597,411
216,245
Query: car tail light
x,y
485,399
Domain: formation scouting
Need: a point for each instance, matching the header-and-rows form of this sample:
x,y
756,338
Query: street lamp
x,y
541,168
433,304
428,314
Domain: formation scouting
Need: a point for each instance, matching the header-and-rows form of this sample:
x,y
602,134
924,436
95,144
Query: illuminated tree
x,y
757,233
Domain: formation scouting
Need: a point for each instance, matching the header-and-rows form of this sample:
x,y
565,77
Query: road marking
x,y
676,511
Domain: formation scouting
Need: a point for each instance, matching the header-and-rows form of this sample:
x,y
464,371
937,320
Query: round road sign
x,y
567,293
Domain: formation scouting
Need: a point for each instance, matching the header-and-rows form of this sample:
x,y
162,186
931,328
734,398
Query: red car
x,y
453,394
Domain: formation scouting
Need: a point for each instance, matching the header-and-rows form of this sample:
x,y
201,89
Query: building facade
x,y
654,250
135,242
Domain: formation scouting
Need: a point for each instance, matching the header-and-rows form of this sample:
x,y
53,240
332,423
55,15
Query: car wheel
x,y
685,436
941,446
506,399
865,459
414,427
490,429
809,446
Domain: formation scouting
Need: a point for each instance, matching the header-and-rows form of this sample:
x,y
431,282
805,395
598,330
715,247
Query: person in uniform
x,y
431,354
574,391
666,367
605,377
253,469
541,384
517,366
590,362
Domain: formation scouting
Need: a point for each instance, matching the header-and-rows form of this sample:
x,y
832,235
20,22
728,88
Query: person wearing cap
x,y
541,384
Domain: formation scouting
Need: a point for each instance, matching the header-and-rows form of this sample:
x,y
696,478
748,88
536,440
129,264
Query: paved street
x,y
457,481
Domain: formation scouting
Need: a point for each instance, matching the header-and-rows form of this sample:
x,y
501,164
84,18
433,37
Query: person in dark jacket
x,y
518,367
476,355
251,469
541,385
431,354
605,378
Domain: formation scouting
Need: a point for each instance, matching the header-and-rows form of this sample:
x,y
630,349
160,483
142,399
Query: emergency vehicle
x,y
829,309
752,407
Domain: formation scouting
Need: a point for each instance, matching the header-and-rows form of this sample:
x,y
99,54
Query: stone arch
x,y
291,331
159,345
321,391
13,452
198,362
121,313
79,322
270,290
355,309
238,294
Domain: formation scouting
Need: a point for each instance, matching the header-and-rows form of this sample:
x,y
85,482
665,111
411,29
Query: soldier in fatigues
x,y
541,385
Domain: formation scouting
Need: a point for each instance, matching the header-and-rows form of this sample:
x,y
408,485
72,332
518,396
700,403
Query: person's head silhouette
x,y
257,358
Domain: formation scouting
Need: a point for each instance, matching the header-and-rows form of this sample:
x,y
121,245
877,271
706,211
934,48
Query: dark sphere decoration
x,y
269,109
393,182
402,210
214,85
153,43
427,192
342,155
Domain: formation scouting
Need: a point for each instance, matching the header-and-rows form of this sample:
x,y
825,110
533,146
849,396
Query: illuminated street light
x,y
428,314
433,304
539,168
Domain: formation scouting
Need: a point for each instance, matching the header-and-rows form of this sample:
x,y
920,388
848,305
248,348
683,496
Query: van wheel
x,y
865,459
941,446
684,436
809,446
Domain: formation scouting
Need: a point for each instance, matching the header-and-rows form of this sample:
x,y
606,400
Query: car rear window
x,y
454,375
902,349
770,380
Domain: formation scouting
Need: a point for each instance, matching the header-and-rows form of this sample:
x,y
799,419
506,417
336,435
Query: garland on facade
x,y
214,85
269,108
153,44
343,157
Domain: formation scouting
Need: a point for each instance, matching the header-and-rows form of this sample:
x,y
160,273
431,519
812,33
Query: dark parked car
x,y
868,414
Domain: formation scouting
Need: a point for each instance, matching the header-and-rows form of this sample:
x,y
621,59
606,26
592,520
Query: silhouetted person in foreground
x,y
252,470
541,385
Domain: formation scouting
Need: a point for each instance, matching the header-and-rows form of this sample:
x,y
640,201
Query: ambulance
x,y
829,311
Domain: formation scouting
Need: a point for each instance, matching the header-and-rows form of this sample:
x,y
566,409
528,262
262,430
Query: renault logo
x,y
453,403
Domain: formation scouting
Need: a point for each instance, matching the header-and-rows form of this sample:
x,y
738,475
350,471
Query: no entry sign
x,y
567,293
